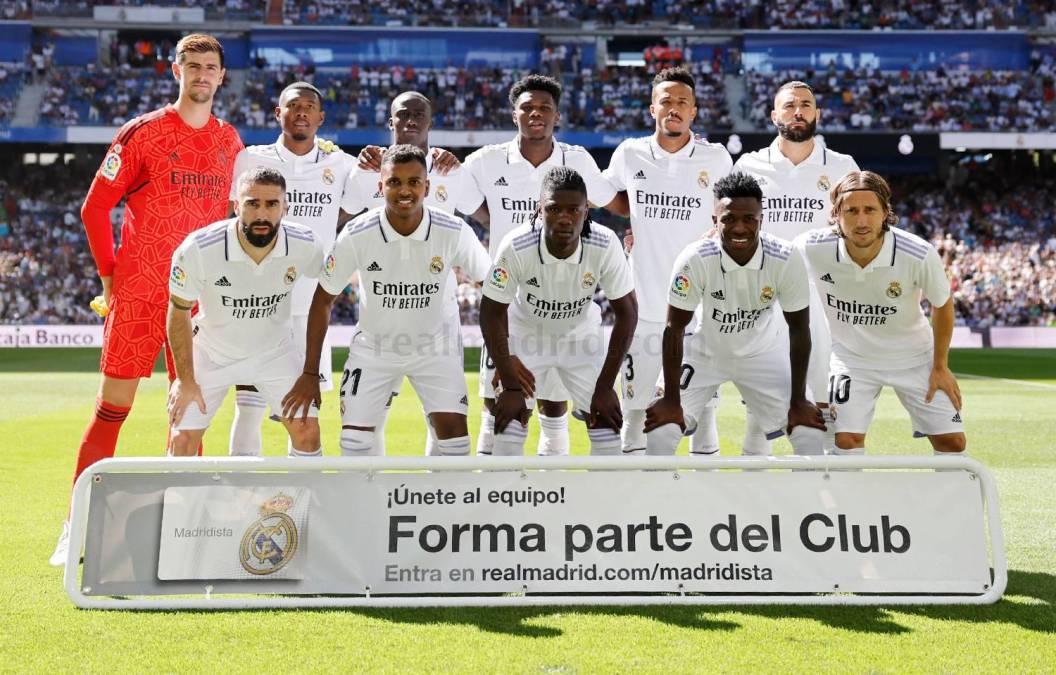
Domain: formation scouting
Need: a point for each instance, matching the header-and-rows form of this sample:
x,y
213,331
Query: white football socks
x,y
250,409
553,436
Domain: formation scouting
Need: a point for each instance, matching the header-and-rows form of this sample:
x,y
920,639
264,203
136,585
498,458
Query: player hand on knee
x,y
806,414
663,411
302,395
182,393
605,409
444,162
370,158
525,378
942,378
510,405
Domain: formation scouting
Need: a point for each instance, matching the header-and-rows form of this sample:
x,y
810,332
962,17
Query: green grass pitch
x,y
1010,396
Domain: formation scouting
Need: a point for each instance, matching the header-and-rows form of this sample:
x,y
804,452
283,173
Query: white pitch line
x,y
1025,383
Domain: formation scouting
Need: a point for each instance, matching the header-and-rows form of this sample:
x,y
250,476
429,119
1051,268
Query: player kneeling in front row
x,y
241,272
539,319
737,278
870,278
403,253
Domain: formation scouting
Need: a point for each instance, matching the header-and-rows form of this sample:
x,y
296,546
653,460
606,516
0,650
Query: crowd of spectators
x,y
925,100
396,12
234,10
10,84
993,225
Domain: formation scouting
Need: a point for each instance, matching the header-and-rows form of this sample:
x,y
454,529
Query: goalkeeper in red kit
x,y
173,168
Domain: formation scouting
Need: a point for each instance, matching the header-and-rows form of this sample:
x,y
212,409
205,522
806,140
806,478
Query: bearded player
x,y
796,172
173,168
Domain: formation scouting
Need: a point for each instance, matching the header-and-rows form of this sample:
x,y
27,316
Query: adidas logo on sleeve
x,y
374,267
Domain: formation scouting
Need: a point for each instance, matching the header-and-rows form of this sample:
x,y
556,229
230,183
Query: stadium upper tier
x,y
596,99
724,14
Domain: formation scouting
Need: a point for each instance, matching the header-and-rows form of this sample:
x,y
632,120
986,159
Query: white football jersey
x,y
874,312
556,295
511,185
737,318
447,193
671,206
244,308
314,184
795,197
404,294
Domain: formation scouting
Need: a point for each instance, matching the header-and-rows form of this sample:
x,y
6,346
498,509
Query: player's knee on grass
x,y
185,443
633,434
948,443
848,441
118,391
452,447
358,443
807,441
663,440
604,441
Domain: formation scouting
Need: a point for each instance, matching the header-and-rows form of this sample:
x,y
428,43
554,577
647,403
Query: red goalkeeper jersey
x,y
175,179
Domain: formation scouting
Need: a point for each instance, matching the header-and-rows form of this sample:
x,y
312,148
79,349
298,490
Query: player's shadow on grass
x,y
1036,613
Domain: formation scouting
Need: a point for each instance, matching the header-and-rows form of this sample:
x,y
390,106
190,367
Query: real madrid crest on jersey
x,y
894,290
328,176
767,294
823,183
703,180
291,275
441,193
270,542
436,265
589,280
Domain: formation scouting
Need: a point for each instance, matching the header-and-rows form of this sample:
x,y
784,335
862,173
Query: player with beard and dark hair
x,y
796,172
668,178
241,272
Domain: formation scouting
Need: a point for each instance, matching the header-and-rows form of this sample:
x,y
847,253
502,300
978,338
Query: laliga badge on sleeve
x,y
111,165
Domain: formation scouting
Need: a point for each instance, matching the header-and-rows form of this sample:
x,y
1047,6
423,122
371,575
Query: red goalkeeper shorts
x,y
133,335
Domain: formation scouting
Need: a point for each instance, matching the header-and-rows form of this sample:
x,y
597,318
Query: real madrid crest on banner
x,y
272,540
441,193
703,180
894,290
823,183
328,176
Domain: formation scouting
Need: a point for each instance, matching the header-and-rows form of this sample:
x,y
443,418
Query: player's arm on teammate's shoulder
x,y
370,158
801,411
942,378
668,408
444,161
620,205
344,217
516,382
605,408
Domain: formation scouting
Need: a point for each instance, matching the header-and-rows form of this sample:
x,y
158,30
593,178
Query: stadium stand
x,y
229,10
10,86
935,100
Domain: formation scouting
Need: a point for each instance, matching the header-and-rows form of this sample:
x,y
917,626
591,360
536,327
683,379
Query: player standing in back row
x,y
870,278
173,168
508,177
315,171
668,178
796,172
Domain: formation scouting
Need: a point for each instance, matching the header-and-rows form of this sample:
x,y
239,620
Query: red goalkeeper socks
x,y
100,438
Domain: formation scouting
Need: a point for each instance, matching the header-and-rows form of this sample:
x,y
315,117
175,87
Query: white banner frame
x,y
81,493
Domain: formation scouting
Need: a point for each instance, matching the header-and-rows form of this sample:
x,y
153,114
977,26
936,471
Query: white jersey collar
x,y
233,251
546,258
729,265
421,233
514,156
885,258
819,155
686,150
286,155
